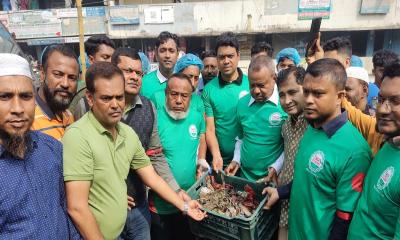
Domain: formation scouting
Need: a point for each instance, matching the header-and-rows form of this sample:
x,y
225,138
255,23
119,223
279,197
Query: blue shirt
x,y
32,194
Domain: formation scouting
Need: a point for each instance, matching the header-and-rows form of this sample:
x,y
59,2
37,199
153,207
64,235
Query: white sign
x,y
159,15
67,13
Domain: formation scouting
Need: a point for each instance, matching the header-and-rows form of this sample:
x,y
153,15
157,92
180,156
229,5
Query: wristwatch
x,y
185,208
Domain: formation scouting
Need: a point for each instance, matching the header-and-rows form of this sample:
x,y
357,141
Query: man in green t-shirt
x,y
378,211
182,133
331,161
98,153
220,97
167,55
260,117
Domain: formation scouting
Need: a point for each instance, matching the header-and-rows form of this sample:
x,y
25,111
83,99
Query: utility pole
x,y
81,38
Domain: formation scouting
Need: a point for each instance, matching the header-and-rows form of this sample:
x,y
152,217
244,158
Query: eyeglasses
x,y
392,101
129,71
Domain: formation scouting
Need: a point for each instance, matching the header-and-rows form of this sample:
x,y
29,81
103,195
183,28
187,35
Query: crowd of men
x,y
112,157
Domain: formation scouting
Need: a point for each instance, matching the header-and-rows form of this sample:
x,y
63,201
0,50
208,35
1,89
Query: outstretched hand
x,y
194,211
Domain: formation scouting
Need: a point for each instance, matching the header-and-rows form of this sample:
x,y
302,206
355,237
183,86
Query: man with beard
x,y
378,212
32,196
191,66
59,76
99,151
141,115
331,161
167,55
260,146
357,88
181,131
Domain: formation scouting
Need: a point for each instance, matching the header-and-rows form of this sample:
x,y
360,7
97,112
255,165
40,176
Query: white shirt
x,y
161,77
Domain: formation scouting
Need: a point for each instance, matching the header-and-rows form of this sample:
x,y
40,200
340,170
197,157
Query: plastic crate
x,y
261,225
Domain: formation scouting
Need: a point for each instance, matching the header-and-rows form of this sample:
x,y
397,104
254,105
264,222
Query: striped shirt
x,y
48,122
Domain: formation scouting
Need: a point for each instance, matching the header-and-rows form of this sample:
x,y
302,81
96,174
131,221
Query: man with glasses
x,y
377,215
140,114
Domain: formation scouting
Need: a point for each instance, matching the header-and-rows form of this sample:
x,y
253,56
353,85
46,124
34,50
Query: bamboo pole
x,y
81,38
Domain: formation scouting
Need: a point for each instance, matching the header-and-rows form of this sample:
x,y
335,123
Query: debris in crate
x,y
227,200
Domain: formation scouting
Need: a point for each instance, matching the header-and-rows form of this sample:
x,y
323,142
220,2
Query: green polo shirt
x,y
329,168
377,215
220,101
91,154
196,103
260,126
180,140
152,83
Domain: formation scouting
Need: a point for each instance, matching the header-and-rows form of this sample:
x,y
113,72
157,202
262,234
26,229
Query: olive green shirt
x,y
91,154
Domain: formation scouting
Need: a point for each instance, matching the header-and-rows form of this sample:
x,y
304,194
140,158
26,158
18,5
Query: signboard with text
x,y
375,6
159,15
309,9
123,15
36,30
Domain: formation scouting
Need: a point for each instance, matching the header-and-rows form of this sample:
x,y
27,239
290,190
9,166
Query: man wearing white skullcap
x,y
357,88
32,195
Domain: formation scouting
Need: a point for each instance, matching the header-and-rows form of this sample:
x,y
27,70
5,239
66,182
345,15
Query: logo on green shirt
x,y
385,178
193,131
316,162
243,93
275,119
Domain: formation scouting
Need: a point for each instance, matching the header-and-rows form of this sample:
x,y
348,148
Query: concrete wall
x,y
257,16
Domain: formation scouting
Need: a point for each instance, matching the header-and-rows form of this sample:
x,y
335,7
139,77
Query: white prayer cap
x,y
358,73
12,64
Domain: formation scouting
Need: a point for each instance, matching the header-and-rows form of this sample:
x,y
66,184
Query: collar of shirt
x,y
331,127
161,77
394,141
274,98
32,145
136,101
101,130
237,81
45,108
